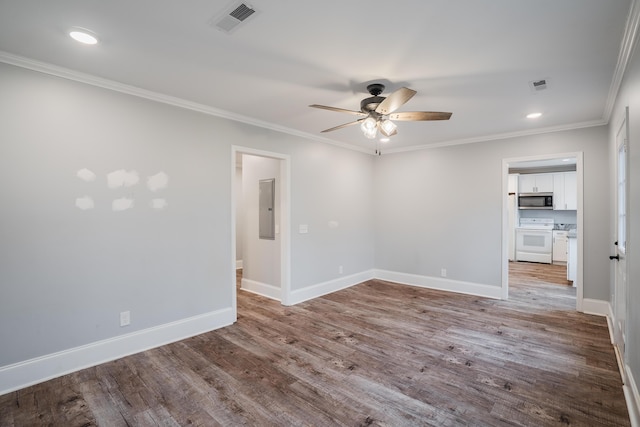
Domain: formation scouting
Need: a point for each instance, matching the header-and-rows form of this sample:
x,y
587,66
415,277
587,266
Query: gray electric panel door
x,y
267,223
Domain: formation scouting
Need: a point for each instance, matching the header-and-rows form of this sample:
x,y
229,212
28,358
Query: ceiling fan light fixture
x,y
387,127
369,127
371,134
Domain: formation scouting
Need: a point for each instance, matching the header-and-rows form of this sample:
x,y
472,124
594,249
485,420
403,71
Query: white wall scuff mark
x,y
86,175
158,182
84,203
122,204
122,178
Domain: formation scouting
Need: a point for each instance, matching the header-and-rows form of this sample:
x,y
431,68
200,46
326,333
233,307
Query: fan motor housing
x,y
368,105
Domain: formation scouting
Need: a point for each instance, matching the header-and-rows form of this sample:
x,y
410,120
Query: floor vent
x,y
232,17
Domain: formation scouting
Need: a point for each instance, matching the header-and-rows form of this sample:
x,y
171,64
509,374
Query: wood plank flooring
x,y
376,354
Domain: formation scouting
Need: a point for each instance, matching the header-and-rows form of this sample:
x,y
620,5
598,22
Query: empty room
x,y
337,213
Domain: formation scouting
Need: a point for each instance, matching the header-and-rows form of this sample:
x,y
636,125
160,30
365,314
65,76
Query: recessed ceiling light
x,y
533,115
83,36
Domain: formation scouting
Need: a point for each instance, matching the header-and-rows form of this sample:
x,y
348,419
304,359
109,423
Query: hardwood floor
x,y
375,354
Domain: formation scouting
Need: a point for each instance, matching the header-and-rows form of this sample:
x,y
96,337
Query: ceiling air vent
x,y
232,17
538,85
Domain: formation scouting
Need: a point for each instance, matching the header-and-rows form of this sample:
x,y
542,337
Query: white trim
x,y
285,221
44,368
238,264
624,55
469,288
632,397
89,79
259,288
596,307
578,283
497,136
66,73
324,288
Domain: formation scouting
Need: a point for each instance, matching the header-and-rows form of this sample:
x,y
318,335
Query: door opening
x,y
260,238
620,299
557,174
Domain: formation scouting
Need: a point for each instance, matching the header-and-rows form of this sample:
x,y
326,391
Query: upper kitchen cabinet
x,y
536,183
565,191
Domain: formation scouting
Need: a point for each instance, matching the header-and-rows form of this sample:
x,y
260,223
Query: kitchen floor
x,y
532,272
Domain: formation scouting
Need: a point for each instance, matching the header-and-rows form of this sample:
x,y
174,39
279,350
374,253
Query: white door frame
x,y
579,226
620,300
285,221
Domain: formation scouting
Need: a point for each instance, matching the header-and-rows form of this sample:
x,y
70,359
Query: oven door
x,y
534,245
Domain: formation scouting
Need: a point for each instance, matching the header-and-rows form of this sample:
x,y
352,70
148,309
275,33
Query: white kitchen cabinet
x,y
572,259
536,183
571,190
559,250
565,191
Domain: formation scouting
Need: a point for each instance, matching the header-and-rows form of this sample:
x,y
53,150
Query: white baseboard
x,y
40,369
264,289
238,264
632,397
596,306
300,295
442,284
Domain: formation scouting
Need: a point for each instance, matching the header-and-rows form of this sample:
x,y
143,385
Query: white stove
x,y
534,240
536,223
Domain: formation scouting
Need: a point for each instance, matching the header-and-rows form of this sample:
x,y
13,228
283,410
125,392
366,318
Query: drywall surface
x,y
442,207
110,204
629,96
261,262
115,203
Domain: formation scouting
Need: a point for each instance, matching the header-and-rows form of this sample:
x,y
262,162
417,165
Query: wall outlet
x,y
340,270
125,318
443,272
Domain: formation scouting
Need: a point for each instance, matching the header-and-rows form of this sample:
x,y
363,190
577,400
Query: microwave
x,y
535,201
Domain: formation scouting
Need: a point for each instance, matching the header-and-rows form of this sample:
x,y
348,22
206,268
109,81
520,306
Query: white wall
x,y
262,256
66,274
442,207
629,96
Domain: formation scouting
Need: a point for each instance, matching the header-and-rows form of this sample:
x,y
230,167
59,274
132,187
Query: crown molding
x,y
624,56
627,45
494,137
66,73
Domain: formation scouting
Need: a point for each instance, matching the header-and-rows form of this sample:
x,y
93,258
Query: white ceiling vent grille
x,y
232,17
538,85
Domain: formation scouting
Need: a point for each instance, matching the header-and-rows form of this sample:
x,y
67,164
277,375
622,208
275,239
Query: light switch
x,y
303,229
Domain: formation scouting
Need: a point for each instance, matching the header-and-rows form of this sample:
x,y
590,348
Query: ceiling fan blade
x,y
395,100
339,110
342,126
411,116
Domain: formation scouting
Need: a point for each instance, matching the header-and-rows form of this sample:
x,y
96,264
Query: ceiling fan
x,y
377,112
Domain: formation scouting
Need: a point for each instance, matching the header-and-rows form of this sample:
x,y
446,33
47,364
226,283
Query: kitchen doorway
x,y
534,178
260,243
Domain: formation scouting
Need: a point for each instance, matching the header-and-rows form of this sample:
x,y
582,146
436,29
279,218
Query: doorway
x,y
620,294
265,255
543,165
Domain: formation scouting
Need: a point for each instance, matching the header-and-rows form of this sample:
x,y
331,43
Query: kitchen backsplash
x,y
559,217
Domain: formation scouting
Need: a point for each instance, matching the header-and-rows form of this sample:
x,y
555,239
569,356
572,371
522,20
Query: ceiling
x,y
475,58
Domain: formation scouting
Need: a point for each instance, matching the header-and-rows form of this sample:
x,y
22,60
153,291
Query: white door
x,y
620,288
